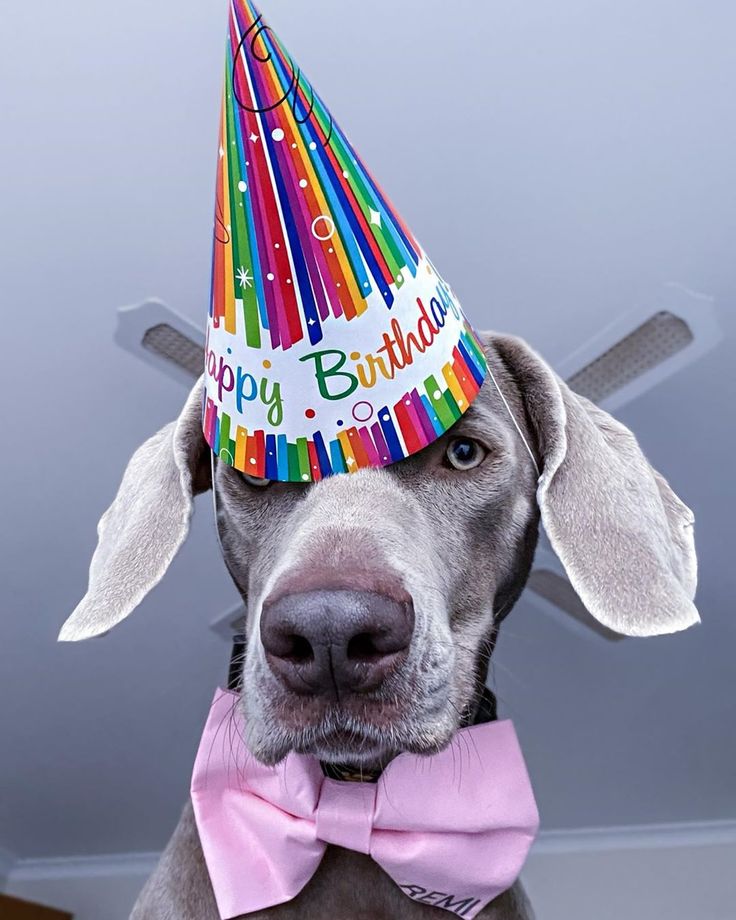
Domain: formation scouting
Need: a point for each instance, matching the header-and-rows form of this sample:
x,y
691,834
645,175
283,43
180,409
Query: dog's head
x,y
373,599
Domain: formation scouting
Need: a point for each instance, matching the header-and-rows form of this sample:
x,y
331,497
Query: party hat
x,y
332,344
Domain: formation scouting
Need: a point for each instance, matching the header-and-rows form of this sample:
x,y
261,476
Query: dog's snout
x,y
334,642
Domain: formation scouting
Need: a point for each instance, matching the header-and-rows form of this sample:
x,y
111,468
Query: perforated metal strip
x,y
648,346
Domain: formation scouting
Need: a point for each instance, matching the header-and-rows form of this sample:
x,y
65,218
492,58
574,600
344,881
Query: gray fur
x,y
460,543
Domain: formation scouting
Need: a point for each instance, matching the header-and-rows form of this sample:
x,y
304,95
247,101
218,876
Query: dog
x,y
373,599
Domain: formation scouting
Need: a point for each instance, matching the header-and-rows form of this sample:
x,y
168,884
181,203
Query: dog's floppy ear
x,y
623,536
142,530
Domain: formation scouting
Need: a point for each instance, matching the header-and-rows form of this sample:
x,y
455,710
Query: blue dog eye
x,y
465,453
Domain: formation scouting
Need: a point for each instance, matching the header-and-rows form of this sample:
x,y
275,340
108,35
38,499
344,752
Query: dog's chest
x,y
350,886
346,886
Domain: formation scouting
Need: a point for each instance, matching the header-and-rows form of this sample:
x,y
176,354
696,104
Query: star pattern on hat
x,y
244,277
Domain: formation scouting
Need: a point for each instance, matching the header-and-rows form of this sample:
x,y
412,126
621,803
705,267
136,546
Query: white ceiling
x,y
562,162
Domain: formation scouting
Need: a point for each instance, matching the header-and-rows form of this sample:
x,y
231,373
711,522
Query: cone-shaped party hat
x,y
332,342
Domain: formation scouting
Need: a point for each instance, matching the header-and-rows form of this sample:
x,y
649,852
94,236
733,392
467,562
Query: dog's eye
x,y
256,481
464,453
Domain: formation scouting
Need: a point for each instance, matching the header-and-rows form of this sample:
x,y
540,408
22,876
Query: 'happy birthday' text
x,y
398,350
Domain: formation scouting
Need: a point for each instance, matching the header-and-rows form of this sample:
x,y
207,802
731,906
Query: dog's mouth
x,y
362,750
351,748
358,736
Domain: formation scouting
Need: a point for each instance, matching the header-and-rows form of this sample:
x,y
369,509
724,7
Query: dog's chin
x,y
341,738
348,749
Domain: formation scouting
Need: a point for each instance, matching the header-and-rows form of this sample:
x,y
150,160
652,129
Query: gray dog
x,y
374,599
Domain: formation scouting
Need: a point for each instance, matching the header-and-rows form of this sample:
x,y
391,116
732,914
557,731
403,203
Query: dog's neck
x,y
485,710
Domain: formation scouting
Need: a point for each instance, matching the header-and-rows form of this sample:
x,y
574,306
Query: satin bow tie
x,y
452,829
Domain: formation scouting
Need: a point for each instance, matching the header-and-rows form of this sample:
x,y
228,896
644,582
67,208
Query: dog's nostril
x,y
298,649
281,641
363,648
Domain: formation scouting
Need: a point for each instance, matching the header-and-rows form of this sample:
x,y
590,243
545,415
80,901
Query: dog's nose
x,y
330,643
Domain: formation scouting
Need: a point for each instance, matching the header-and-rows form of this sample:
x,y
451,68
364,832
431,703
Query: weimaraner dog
x,y
373,599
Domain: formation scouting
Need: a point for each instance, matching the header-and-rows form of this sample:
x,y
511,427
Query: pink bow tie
x,y
452,830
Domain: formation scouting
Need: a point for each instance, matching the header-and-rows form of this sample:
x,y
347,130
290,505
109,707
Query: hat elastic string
x,y
513,419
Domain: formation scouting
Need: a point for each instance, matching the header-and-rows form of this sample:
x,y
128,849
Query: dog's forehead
x,y
486,412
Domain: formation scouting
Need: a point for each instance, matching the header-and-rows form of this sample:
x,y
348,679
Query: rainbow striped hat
x,y
332,344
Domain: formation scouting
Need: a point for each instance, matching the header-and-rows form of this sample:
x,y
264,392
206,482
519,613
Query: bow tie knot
x,y
345,814
452,830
